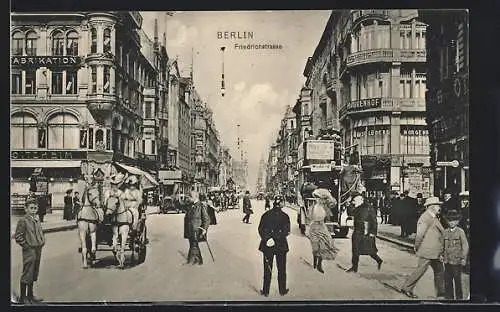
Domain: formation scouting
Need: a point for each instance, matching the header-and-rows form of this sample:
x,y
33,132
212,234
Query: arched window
x,y
23,131
58,43
107,40
72,43
31,38
93,40
63,131
17,43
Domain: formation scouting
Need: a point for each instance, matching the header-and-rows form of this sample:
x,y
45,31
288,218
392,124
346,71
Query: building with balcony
x,y
272,182
287,155
448,96
77,95
226,168
379,73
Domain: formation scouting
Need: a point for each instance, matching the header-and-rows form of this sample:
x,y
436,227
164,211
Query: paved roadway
x,y
236,273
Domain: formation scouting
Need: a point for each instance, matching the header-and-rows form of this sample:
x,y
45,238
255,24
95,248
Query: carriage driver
x,y
113,195
132,199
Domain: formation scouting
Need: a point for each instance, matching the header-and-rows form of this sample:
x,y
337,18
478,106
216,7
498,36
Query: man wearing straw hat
x,y
429,247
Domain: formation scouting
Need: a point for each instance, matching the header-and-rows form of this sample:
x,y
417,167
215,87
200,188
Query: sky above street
x,y
259,83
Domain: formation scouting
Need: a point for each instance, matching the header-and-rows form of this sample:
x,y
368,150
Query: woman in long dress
x,y
68,206
321,241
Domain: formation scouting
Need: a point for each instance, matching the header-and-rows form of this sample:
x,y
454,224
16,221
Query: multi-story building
x,y
213,146
226,169
287,157
448,97
272,182
370,68
185,134
77,95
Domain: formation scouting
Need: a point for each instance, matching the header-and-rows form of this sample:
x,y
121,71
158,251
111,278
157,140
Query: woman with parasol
x,y
321,241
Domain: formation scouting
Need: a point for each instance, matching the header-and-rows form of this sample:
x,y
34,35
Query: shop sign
x,y
321,167
53,155
364,104
46,61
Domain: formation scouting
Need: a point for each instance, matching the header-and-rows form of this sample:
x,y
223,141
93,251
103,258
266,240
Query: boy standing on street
x,y
455,253
30,237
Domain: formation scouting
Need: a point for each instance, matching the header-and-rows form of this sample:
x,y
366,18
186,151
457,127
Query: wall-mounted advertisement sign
x,y
320,150
61,155
46,61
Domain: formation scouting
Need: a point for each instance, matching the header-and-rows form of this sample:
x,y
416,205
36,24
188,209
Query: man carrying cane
x,y
196,222
274,227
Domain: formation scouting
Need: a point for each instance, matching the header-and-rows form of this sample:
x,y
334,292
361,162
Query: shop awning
x,y
46,163
147,180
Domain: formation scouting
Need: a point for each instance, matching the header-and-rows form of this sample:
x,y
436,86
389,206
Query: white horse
x,y
88,218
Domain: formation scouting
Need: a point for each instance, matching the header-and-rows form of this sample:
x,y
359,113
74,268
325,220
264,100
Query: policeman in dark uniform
x,y
274,227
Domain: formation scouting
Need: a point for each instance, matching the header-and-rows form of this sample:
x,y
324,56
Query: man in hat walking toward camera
x,y
247,207
429,246
365,230
274,227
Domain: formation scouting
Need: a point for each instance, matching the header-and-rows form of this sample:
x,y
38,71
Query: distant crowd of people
x,y
404,211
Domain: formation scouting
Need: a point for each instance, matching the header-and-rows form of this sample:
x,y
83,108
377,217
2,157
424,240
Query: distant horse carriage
x,y
114,219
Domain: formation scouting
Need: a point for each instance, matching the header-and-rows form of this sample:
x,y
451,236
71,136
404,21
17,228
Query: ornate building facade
x,y
448,97
368,79
78,82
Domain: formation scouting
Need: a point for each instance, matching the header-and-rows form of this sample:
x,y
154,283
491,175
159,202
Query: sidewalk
x,y
53,222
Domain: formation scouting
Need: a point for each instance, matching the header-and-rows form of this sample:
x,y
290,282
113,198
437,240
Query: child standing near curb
x,y
29,236
456,249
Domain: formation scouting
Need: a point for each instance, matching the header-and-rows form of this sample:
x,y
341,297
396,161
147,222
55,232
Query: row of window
x,y
63,132
61,81
379,37
377,140
61,44
370,86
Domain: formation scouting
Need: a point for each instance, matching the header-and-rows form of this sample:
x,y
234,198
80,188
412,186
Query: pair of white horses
x,y
122,209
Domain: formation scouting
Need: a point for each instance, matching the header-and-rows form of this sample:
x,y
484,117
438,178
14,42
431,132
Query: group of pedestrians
x,y
444,249
71,205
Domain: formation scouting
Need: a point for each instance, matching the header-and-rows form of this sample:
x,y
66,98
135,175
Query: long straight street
x,y
236,273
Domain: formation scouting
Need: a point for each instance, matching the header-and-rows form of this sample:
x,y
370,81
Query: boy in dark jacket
x,y
29,236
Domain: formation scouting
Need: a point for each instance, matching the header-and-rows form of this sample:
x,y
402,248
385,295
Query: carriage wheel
x,y
142,246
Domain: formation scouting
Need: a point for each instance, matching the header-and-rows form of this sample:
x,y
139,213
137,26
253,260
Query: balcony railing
x,y
142,156
385,55
383,104
149,122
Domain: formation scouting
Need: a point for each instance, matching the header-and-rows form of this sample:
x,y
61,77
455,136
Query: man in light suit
x,y
429,246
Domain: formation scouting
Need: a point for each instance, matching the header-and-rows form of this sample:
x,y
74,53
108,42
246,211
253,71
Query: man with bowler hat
x,y
365,230
274,227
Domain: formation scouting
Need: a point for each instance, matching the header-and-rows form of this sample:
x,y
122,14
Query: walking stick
x,y
210,250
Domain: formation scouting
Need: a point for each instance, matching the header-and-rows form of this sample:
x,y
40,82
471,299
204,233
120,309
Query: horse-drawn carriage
x,y
114,218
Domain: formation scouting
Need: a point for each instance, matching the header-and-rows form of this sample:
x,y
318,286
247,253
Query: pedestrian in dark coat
x,y
68,205
404,214
29,236
274,227
395,217
247,207
42,207
465,211
365,230
196,222
412,214
267,205
209,204
384,209
76,205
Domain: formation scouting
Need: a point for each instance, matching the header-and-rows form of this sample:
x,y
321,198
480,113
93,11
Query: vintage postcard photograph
x,y
246,156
